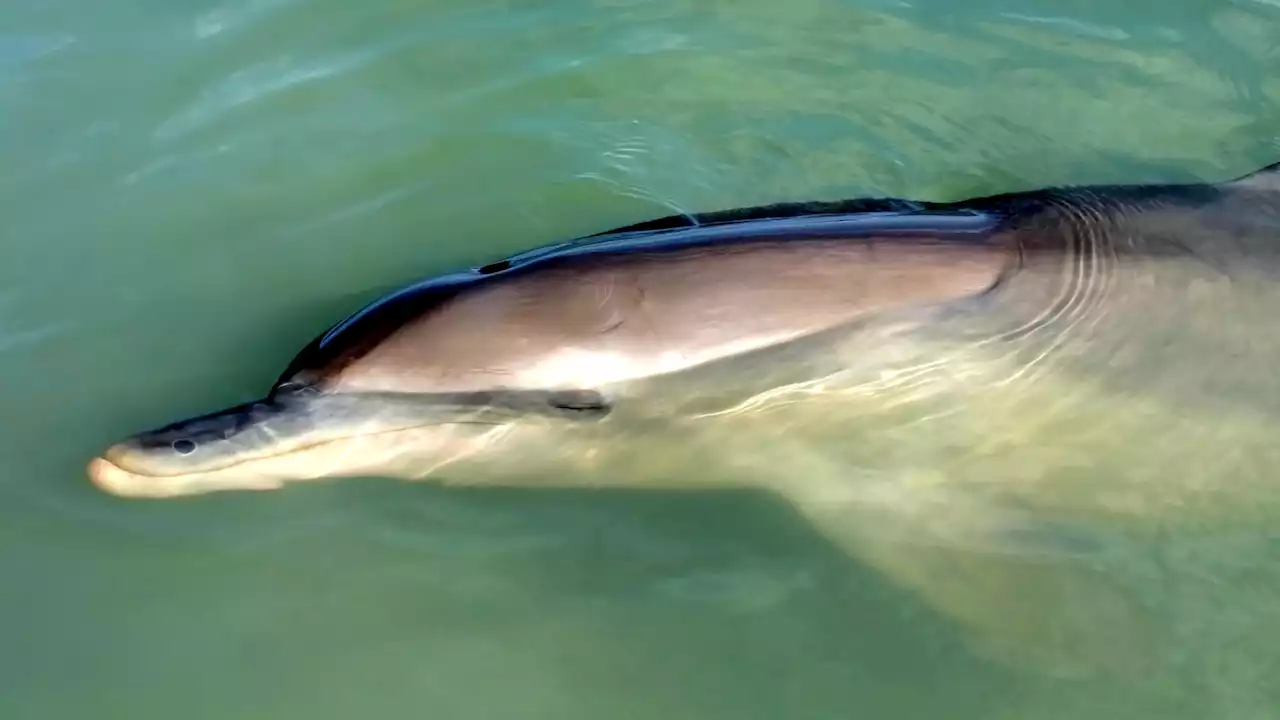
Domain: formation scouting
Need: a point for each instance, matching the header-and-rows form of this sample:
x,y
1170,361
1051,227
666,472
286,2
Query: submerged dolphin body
x,y
960,394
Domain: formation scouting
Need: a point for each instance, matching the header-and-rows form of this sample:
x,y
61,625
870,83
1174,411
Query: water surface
x,y
191,190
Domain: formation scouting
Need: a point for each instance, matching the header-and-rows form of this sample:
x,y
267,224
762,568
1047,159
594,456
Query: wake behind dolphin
x,y
957,393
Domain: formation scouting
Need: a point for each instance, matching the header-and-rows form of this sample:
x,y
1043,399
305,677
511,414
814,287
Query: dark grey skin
x,y
953,392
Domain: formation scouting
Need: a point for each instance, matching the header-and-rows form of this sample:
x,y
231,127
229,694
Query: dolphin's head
x,y
202,452
265,444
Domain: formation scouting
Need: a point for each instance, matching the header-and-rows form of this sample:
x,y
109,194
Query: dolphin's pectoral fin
x,y
1049,613
1022,591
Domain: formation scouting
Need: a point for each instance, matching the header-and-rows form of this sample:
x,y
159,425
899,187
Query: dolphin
x,y
976,398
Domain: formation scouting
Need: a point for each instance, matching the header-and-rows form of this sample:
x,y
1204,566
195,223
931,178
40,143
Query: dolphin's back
x,y
655,297
664,295
602,320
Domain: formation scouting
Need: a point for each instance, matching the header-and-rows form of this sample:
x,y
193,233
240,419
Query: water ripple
x,y
10,341
744,587
227,18
1072,25
254,84
14,339
18,51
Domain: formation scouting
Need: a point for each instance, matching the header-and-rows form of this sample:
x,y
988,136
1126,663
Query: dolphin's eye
x,y
184,446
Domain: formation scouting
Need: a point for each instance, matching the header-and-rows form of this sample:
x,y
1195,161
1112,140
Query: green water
x,y
192,190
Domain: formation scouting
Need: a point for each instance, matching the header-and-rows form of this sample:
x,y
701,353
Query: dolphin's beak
x,y
227,451
111,478
108,476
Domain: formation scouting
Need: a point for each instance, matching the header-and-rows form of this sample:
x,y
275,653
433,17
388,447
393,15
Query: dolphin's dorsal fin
x,y
1267,178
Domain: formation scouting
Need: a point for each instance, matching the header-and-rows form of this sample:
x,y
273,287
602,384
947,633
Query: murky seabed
x,y
191,190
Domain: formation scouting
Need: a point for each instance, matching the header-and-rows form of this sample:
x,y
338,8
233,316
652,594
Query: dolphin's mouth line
x,y
291,451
